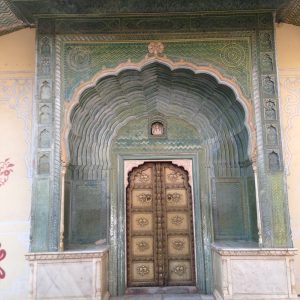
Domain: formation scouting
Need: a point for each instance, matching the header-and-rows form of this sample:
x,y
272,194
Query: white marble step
x,y
164,297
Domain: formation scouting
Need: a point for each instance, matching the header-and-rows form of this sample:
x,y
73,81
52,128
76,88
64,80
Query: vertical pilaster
x,y
273,199
44,223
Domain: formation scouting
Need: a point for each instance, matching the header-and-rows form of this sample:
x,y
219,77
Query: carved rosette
x,y
142,221
144,198
143,177
173,198
179,270
174,177
79,59
178,245
142,246
142,270
156,48
233,55
177,220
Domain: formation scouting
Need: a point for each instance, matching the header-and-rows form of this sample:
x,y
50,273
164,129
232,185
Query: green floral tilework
x,y
82,60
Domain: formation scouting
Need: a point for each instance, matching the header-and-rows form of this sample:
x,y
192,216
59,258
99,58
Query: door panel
x,y
160,249
178,245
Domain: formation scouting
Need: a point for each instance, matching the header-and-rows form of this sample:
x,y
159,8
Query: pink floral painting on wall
x,y
2,256
6,167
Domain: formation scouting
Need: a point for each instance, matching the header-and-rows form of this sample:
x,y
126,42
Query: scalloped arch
x,y
98,87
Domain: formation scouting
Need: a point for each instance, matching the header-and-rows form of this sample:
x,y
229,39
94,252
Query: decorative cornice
x,y
289,13
76,16
46,256
9,22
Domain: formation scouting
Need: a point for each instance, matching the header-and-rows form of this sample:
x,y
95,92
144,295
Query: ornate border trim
x,y
290,13
255,251
66,255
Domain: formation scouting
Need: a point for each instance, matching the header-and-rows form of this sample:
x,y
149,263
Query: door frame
x,y
202,229
176,163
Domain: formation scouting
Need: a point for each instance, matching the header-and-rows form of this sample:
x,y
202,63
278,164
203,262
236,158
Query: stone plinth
x,y
77,275
253,273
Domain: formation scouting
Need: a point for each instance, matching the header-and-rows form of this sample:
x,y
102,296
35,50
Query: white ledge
x,y
238,251
85,254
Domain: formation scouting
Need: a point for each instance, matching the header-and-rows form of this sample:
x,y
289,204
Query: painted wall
x,y
288,55
17,63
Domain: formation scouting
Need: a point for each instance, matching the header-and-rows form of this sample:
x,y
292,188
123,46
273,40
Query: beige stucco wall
x,y
17,63
288,55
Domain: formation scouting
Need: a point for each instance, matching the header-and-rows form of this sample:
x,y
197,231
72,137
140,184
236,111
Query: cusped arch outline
x,y
221,79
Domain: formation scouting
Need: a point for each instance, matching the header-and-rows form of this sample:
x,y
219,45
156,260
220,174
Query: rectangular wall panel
x,y
228,209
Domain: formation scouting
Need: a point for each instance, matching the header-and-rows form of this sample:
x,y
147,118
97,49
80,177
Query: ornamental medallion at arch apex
x,y
246,103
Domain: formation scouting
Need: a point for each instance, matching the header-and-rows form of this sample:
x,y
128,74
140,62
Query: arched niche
x,y
202,118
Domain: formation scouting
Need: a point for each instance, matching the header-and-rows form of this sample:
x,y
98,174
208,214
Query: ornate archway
x,y
204,120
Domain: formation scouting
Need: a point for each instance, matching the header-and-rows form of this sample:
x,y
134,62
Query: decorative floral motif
x,y
179,270
142,270
142,221
175,176
178,245
177,220
173,198
156,48
142,246
2,256
5,170
233,55
79,59
143,177
145,198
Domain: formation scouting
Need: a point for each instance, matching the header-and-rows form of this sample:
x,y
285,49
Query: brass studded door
x,y
160,243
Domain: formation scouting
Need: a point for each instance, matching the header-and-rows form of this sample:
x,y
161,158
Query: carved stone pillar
x,y
275,227
45,200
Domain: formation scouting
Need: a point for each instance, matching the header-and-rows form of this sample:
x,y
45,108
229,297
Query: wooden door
x,y
160,243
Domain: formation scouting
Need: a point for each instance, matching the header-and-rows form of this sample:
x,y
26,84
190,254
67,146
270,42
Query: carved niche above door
x,y
160,243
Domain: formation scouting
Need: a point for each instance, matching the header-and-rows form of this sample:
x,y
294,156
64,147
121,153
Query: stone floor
x,y
164,297
163,293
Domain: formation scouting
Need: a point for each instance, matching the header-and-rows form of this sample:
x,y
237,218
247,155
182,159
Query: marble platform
x,y
76,275
253,273
164,297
